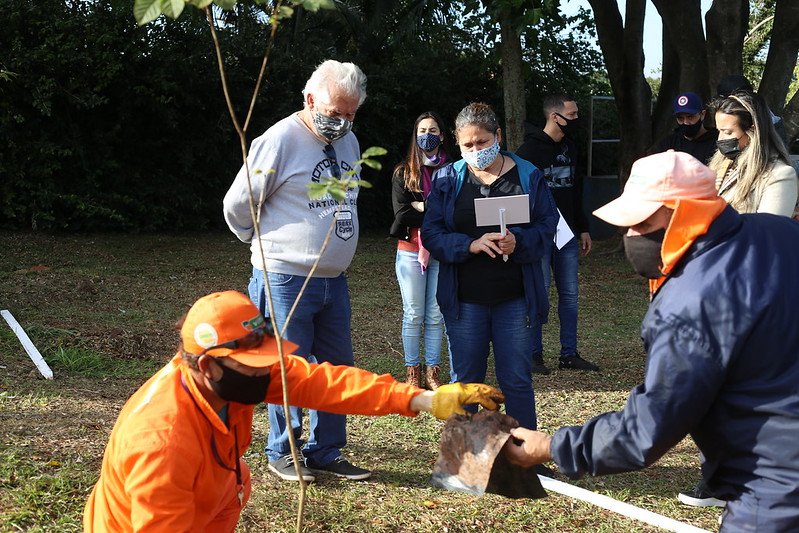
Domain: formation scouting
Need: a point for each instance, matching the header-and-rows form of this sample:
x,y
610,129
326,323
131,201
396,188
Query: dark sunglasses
x,y
330,153
250,340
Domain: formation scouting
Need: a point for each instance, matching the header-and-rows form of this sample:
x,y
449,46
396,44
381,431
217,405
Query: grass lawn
x,y
101,309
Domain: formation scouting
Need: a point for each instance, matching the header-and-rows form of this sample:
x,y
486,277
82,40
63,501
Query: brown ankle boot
x,y
431,373
414,376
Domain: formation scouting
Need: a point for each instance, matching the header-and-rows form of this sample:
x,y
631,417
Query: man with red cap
x,y
174,458
722,348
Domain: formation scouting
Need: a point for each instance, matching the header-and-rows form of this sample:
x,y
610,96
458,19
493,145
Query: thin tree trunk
x,y
782,54
663,114
512,85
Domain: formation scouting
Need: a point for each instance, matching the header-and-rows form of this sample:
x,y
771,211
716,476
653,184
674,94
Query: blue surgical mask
x,y
482,159
428,142
331,128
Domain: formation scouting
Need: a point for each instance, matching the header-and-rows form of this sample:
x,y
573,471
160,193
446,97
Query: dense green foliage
x,y
108,125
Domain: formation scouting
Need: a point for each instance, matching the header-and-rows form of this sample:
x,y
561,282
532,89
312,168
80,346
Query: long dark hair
x,y
410,167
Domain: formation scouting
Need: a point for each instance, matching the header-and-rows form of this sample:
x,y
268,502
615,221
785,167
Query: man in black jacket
x,y
551,150
690,135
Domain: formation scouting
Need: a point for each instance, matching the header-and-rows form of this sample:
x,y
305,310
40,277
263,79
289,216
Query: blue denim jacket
x,y
450,247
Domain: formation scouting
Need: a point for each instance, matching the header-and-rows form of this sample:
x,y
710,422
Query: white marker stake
x,y
33,353
503,228
630,511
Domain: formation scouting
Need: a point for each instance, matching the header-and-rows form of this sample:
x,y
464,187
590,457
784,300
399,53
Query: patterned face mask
x,y
482,159
331,128
428,142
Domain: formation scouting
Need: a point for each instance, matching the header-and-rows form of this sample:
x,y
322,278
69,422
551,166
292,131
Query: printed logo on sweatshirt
x,y
322,170
345,226
559,177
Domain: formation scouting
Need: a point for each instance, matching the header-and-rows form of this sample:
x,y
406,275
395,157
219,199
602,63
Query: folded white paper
x,y
563,233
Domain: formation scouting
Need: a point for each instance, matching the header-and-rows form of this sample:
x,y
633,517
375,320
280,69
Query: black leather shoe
x,y
539,367
575,362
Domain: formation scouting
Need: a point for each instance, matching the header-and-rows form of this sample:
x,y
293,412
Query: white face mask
x,y
482,159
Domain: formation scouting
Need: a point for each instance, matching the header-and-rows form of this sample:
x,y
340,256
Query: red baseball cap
x,y
657,179
227,324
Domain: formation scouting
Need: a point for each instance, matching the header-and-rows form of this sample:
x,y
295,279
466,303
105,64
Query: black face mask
x,y
729,148
690,130
643,253
570,128
240,388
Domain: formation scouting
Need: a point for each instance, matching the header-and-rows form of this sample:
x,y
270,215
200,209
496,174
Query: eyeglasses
x,y
250,340
330,153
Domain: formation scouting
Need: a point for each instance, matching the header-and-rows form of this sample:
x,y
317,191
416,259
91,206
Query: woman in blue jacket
x,y
485,298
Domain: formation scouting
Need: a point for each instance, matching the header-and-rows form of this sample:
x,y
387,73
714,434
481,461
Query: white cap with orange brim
x,y
657,179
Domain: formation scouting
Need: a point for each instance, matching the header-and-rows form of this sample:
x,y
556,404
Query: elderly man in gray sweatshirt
x,y
308,146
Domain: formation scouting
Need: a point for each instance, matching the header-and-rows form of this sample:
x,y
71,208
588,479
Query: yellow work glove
x,y
449,399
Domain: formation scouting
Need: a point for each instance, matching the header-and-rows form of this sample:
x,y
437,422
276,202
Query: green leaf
x,y
226,4
371,163
373,151
365,184
314,5
337,194
200,4
284,12
146,11
172,8
316,190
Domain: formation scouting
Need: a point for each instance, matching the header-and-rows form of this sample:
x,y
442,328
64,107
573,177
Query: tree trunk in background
x,y
782,54
790,118
682,19
726,24
663,114
512,85
622,47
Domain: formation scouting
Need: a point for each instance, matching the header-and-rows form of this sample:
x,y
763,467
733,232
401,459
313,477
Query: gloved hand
x,y
449,399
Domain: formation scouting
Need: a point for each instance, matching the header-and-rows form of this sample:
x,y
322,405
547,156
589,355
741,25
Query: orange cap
x,y
656,180
227,316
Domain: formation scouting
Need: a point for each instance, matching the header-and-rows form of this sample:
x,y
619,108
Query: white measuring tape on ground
x,y
630,511
33,353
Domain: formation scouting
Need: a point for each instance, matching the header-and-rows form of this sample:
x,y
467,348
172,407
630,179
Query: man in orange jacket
x,y
174,458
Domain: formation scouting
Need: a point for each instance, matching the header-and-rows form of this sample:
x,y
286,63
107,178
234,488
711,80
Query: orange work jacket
x,y
170,464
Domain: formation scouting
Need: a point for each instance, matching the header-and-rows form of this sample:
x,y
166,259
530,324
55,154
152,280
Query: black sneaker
x,y
284,468
539,367
700,496
343,468
575,362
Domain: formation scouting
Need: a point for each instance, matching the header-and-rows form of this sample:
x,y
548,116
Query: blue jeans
x,y
563,264
419,306
321,327
505,325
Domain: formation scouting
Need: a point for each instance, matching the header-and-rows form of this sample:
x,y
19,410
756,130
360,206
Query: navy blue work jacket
x,y
722,342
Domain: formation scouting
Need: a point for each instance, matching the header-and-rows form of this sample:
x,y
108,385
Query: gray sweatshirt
x,y
283,161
